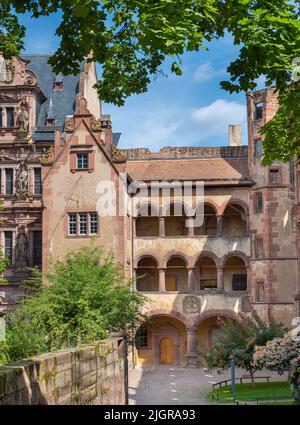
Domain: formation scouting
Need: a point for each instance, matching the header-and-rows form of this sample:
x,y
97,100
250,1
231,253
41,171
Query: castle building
x,y
230,246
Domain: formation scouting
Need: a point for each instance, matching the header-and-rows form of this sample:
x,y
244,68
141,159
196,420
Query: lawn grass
x,y
262,390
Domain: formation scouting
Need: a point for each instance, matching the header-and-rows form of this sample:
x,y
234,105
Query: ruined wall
x,y
93,374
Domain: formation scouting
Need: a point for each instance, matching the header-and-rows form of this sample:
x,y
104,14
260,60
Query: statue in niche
x,y
22,180
23,120
3,74
22,247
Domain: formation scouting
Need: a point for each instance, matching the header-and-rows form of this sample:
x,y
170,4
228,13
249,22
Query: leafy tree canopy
x,y
281,354
87,298
132,38
238,341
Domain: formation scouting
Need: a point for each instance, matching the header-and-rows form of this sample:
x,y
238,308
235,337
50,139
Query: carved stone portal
x,y
191,304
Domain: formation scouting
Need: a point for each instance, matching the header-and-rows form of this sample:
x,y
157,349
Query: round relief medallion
x,y
191,304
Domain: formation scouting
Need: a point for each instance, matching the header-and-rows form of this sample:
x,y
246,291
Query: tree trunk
x,y
252,378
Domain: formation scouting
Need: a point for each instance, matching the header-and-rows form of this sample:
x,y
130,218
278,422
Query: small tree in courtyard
x,y
238,341
281,354
87,298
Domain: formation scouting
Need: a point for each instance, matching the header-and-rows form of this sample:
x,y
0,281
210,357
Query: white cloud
x,y
206,72
214,119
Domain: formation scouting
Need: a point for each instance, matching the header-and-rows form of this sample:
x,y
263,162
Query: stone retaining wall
x,y
93,374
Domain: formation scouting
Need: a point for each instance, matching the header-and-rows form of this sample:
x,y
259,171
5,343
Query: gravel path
x,y
177,385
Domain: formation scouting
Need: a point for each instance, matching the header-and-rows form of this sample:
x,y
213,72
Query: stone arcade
x,y
56,145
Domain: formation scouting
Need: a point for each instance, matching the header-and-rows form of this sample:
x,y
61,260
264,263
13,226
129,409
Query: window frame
x,y
278,173
258,117
258,142
35,169
11,256
6,169
88,223
11,109
259,195
77,160
239,283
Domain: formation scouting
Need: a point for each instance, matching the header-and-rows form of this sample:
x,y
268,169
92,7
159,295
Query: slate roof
x,y
211,170
59,104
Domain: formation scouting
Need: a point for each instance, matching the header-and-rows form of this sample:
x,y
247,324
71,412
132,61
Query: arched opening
x,y
176,275
161,340
175,220
234,221
147,275
147,222
235,274
208,332
206,274
209,225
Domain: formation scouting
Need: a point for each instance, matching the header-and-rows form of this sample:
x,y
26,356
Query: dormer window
x,y
58,83
50,122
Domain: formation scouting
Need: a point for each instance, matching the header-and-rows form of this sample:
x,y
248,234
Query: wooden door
x,y
171,284
166,351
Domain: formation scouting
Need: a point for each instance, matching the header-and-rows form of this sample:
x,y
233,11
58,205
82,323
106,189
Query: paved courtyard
x,y
177,385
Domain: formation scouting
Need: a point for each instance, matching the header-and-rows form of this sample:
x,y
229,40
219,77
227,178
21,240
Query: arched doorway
x,y
161,340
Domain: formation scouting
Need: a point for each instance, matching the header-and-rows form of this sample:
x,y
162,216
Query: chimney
x,y
235,135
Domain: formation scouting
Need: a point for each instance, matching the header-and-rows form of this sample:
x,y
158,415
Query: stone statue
x,y
3,75
23,120
22,180
22,247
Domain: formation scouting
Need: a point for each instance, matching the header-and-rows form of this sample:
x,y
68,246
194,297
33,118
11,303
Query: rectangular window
x,y
9,181
37,181
83,224
274,176
239,282
259,248
72,224
8,246
142,339
258,148
1,117
260,292
37,248
208,284
93,223
258,113
10,120
259,202
82,161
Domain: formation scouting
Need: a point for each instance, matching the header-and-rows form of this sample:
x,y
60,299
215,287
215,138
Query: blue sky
x,y
190,110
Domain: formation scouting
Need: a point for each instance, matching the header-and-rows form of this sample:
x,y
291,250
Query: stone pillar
x,y
219,225
190,225
248,278
134,281
162,280
247,225
191,279
220,278
191,353
162,232
134,227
